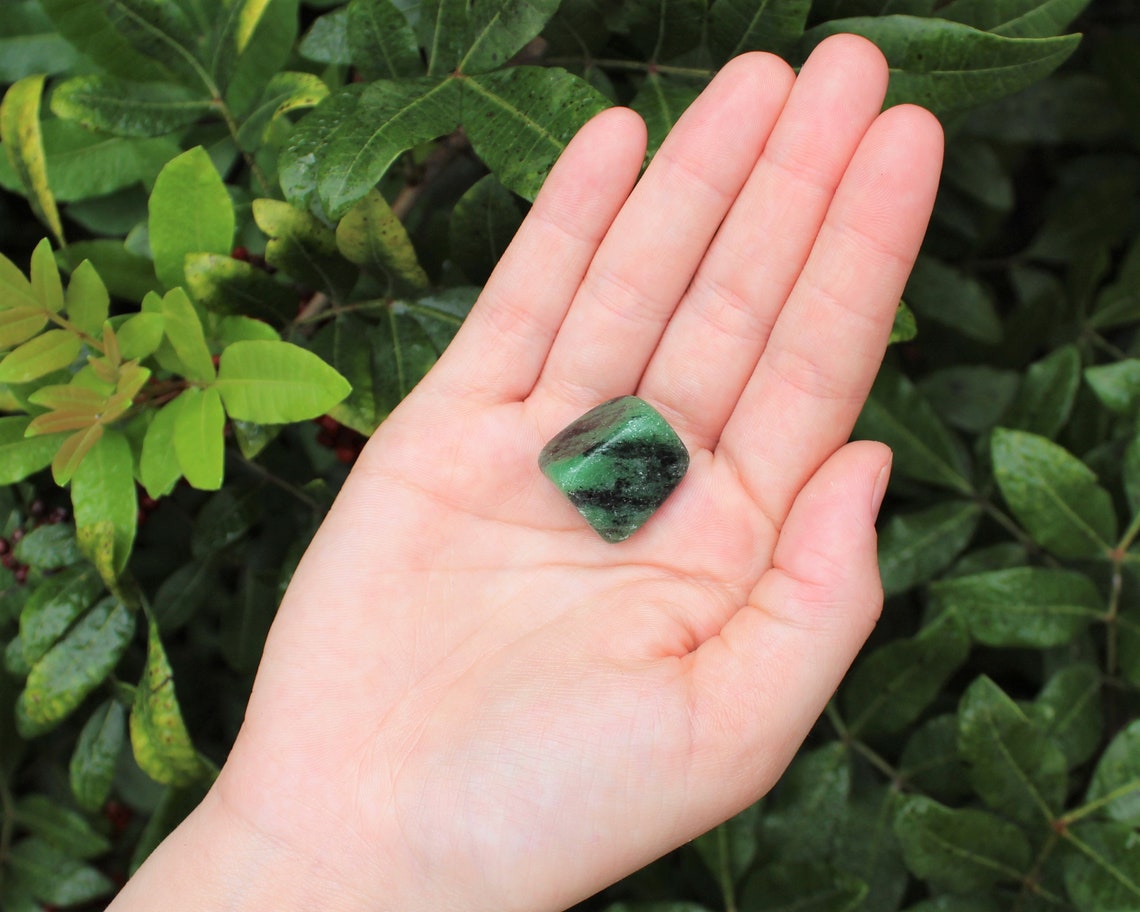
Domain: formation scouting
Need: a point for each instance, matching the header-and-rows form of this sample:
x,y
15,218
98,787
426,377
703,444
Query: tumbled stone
x,y
617,464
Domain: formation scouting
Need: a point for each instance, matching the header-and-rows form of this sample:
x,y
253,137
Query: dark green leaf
x,y
1103,874
96,753
264,39
1053,494
183,592
1014,765
664,29
62,827
122,107
930,761
54,606
1016,18
729,849
327,39
303,159
959,850
736,26
482,224
809,804
224,285
475,37
91,28
1119,302
49,547
55,877
891,687
925,449
914,547
301,246
224,521
802,887
381,42
1048,390
1034,607
285,92
661,101
940,293
161,744
1115,785
866,846
947,66
29,43
78,663
970,397
372,236
1128,625
126,274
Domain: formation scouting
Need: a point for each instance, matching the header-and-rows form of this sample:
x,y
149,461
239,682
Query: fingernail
x,y
880,489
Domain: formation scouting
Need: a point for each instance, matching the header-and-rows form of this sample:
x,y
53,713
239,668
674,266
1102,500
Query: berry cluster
x,y
39,515
344,441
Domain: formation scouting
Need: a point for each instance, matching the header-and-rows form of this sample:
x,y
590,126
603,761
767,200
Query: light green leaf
x,y
46,283
960,850
891,687
947,66
1103,874
88,301
78,663
22,456
140,335
183,330
48,352
159,469
123,107
1069,710
62,827
199,443
914,547
736,26
54,877
1014,766
482,224
1016,18
15,289
276,383
381,41
190,212
1033,607
925,449
96,754
1048,389
474,37
161,743
1053,494
1115,785
103,495
905,327
53,607
371,235
520,119
224,285
23,143
301,246
19,324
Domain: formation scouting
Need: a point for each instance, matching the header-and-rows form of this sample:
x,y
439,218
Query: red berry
x,y
8,561
57,515
17,534
4,546
325,439
118,815
21,574
347,454
240,253
329,423
37,509
147,502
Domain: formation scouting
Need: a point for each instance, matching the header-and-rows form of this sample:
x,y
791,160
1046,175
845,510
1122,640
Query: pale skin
x,y
468,700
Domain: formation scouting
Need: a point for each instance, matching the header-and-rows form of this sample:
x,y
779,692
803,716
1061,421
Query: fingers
x,y
655,244
713,343
759,686
828,341
501,347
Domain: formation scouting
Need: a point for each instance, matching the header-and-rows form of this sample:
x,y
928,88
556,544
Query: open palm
x,y
471,701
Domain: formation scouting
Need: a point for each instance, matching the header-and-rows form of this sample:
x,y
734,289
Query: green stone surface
x,y
617,464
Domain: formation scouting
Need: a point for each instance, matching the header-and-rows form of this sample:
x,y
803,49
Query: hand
x,y
470,701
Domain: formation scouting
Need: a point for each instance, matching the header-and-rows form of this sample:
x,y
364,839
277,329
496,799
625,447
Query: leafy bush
x,y
260,212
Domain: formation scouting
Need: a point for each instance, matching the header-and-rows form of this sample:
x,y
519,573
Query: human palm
x,y
468,697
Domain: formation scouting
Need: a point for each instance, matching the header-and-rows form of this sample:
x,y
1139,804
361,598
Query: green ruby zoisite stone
x,y
617,464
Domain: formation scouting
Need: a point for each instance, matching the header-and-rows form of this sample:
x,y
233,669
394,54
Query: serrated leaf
x,y
959,850
471,38
736,26
482,224
914,547
925,449
371,235
1115,785
124,107
87,301
62,827
801,887
1103,874
891,687
1016,18
276,383
96,754
103,494
1033,607
1014,766
301,246
23,142
948,67
199,443
53,607
22,456
224,285
1069,710
190,212
78,663
55,877
520,119
183,330
159,738
1053,494
380,40
40,356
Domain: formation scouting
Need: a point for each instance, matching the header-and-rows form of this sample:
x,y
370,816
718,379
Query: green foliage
x,y
259,212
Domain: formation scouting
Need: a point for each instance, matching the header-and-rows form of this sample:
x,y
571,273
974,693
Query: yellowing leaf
x,y
24,144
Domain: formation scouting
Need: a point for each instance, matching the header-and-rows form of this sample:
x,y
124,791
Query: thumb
x,y
761,684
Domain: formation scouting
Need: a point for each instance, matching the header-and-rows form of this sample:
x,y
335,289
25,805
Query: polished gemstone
x,y
617,464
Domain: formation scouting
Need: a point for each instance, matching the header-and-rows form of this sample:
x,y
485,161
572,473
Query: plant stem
x,y
644,66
